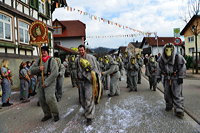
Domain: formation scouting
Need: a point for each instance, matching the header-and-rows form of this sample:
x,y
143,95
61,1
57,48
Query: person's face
x,y
81,51
44,53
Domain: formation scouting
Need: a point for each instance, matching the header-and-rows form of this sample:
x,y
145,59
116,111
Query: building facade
x,y
153,45
15,19
68,34
189,35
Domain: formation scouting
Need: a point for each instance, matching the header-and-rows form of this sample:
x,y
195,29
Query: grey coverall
x,y
84,82
47,98
172,69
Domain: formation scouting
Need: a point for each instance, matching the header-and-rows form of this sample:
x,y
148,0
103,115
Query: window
x,y
191,39
42,6
191,50
57,29
25,1
23,32
5,27
34,4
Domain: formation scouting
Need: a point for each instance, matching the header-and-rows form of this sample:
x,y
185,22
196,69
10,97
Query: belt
x,y
170,74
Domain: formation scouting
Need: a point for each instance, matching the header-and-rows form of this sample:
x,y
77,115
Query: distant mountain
x,y
102,50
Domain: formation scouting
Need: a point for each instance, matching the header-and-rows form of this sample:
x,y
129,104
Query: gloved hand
x,y
158,80
180,81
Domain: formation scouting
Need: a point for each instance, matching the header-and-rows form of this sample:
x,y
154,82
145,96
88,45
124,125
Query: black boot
x,y
168,109
89,121
179,114
56,118
45,118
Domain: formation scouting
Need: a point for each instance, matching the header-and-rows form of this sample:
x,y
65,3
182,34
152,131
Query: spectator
x,y
6,83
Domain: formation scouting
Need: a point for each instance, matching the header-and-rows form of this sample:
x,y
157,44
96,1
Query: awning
x,y
68,50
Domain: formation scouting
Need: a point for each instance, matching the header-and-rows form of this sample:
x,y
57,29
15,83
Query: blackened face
x,y
81,51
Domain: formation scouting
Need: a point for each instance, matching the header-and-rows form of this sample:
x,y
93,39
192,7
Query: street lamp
x,y
194,30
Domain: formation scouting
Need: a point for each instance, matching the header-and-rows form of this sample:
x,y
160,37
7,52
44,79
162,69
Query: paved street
x,y
141,111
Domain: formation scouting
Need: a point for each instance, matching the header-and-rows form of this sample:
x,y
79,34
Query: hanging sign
x,y
38,33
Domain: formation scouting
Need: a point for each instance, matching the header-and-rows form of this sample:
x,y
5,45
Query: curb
x,y
185,110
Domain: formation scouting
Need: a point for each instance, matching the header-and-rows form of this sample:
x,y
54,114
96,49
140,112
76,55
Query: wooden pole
x,y
41,64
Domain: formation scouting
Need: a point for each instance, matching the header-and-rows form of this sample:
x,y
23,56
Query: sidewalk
x,y
191,75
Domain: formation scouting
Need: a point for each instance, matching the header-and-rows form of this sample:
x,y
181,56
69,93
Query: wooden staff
x,y
41,64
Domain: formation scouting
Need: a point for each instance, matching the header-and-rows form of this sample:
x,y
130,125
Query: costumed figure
x,y
114,73
121,66
140,64
60,79
132,73
73,70
87,75
173,69
151,68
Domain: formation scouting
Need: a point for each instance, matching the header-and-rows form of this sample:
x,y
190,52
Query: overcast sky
x,y
159,16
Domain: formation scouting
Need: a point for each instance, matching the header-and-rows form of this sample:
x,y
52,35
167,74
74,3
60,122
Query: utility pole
x,y
194,30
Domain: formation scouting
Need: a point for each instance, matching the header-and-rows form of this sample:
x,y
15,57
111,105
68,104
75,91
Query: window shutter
x,y
47,9
49,40
36,4
32,3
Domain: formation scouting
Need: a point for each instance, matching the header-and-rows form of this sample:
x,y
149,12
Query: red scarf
x,y
44,59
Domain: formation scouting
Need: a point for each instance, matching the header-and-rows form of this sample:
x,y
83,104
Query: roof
x,y
152,41
122,49
65,49
136,44
189,24
71,28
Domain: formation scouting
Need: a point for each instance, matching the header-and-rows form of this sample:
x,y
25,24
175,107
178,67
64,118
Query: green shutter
x,y
32,3
47,9
36,4
49,39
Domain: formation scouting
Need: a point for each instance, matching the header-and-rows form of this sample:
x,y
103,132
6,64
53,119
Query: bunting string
x,y
111,36
100,19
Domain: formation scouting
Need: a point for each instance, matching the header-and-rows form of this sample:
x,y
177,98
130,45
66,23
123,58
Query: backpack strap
x,y
48,67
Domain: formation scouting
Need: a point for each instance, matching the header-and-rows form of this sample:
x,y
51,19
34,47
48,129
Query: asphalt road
x,y
131,112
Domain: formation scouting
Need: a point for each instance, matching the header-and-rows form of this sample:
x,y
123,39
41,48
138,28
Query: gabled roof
x,y
136,44
72,28
189,24
152,41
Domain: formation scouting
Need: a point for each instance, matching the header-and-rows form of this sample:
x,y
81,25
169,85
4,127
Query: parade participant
x,y
126,61
60,79
46,90
114,73
85,64
6,83
121,66
73,70
132,73
173,69
66,64
24,83
140,64
101,64
151,72
106,78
